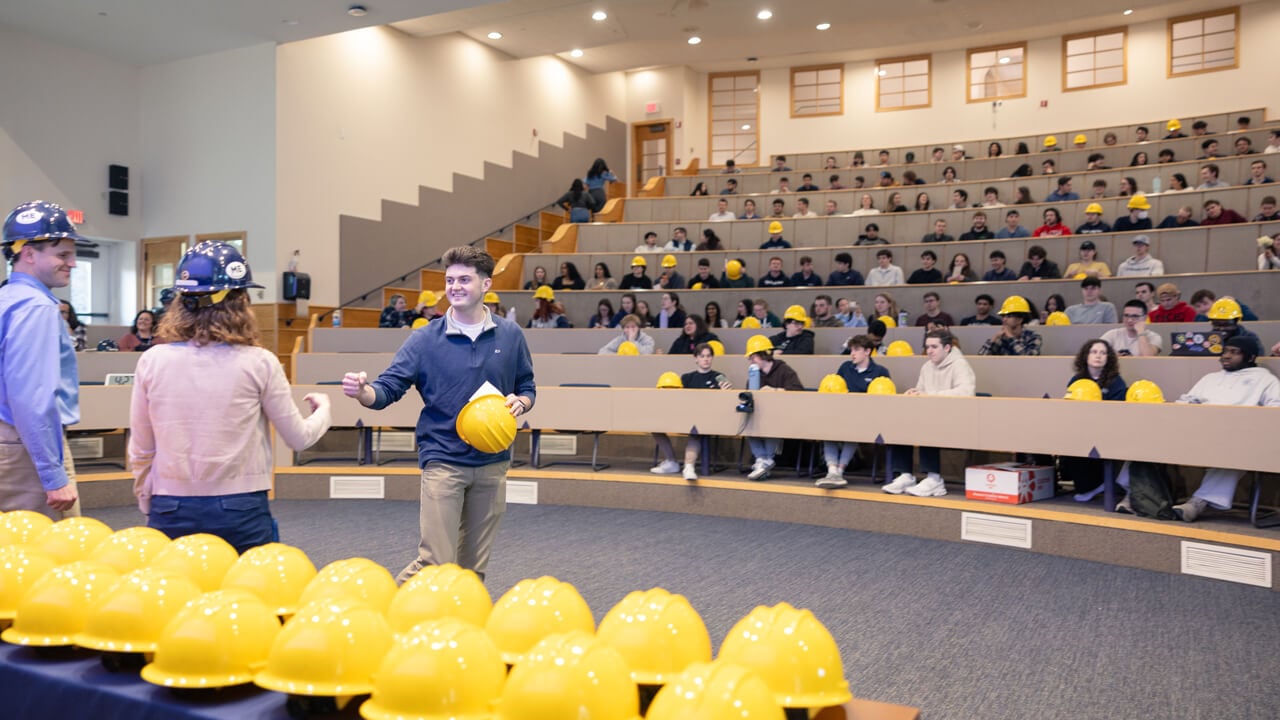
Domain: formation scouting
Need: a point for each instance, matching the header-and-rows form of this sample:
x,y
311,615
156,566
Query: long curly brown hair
x,y
230,321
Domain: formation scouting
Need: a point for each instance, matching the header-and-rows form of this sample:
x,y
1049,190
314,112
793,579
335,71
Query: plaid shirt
x,y
1028,343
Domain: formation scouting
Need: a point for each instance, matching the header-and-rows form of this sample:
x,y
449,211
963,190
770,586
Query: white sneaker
x,y
689,473
900,483
666,467
931,486
761,471
833,479
1191,509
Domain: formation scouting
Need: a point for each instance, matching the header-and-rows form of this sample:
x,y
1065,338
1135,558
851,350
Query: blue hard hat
x,y
38,220
167,295
213,266
107,346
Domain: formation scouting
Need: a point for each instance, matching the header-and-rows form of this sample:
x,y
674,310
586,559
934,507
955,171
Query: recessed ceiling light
x,y
599,15
357,11
1004,60
1128,12
576,52
746,126
695,40
764,14
495,35
824,26
882,73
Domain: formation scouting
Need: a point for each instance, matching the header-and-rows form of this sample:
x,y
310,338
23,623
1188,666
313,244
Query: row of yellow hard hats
x,y
668,261
1052,140
1141,391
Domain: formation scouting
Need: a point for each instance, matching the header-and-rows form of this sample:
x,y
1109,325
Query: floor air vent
x,y
996,529
85,448
522,492
552,444
1227,563
357,487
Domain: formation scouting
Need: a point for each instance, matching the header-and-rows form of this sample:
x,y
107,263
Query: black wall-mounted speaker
x,y
117,177
297,286
118,202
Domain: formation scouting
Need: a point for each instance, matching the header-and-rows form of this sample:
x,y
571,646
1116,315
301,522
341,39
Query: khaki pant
x,y
20,487
461,510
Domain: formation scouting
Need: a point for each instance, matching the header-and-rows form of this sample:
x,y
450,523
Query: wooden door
x,y
160,257
651,149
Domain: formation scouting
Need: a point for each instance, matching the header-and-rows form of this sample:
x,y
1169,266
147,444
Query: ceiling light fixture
x,y
1128,12
1004,60
694,40
882,73
576,52
495,35
599,15
824,26
764,14
357,11
746,126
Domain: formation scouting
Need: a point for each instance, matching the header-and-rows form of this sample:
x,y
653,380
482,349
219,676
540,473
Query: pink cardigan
x,y
199,416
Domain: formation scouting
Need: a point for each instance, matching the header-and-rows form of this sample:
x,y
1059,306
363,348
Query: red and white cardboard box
x,y
1009,483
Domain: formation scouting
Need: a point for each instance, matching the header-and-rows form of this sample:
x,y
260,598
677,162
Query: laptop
x,y
1195,344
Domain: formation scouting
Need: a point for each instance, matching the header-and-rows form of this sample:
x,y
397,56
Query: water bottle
x,y
1155,186
902,318
753,377
337,317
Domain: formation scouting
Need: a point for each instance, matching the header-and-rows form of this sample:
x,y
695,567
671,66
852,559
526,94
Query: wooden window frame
x,y
711,120
818,69
1234,11
1124,55
968,71
928,57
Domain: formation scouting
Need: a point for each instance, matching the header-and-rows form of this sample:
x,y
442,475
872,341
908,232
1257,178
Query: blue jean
x,y
900,459
243,519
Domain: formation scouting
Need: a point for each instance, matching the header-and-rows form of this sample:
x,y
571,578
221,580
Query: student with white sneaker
x,y
858,372
946,373
774,375
704,378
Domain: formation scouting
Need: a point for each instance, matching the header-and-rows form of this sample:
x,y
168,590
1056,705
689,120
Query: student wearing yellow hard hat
x,y
795,338
547,312
630,325
774,375
703,378
397,313
1093,224
637,279
857,372
428,305
1014,338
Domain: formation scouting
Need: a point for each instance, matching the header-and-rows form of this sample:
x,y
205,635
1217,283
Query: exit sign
x,y
651,108
76,216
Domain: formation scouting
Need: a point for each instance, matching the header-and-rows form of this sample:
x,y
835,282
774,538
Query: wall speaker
x,y
297,286
117,177
118,202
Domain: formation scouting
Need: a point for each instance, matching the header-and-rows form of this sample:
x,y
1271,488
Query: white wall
x,y
208,145
372,114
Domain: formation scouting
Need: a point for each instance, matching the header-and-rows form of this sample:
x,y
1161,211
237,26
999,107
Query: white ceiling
x,y
637,33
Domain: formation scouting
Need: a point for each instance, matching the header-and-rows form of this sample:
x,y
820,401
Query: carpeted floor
x,y
962,631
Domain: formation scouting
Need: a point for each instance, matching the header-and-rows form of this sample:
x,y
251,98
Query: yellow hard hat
x,y
833,384
130,616
1057,317
1139,202
420,323
889,322
1173,125
669,379
696,286
131,548
1144,391
54,608
715,691
20,567
626,347
491,298
1084,389
1080,276
1015,304
544,292
533,609
658,633
882,386
570,675
758,343
202,557
218,639
1094,208
330,647
356,578
733,269
440,591
639,260
775,228
1080,139
1225,308
428,298
71,539
796,312
750,322
792,652
20,526
717,347
486,424
1050,141
442,669
668,261
276,573
899,348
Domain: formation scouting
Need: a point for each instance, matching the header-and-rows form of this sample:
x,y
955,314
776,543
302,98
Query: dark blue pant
x,y
243,519
900,459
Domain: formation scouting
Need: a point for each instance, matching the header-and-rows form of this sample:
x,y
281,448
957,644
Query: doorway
x,y
651,146
160,257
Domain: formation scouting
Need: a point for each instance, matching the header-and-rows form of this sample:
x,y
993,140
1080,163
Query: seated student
x,y
1258,173
1146,292
1011,227
626,306
1202,301
679,241
1174,127
670,313
1098,363
1092,310
1053,225
734,276
939,233
1038,266
1268,259
991,197
983,305
703,378
823,314
1063,193
1267,211
895,204
730,187
547,312
802,209
604,315
1014,338
960,270
1167,155
806,277
1133,338
710,241
140,337
806,184
603,279
749,210
704,279
780,164
775,276
670,278
948,373
1184,218
650,244
927,272
959,199
1240,382
978,230
731,167
700,190
760,311
998,271
1215,214
775,241
1093,224
844,274
693,333
885,272
779,209
784,186
631,332
722,213
1178,183
1097,161
1099,189
866,206
775,374
569,278
795,338
871,236
637,279
395,315
933,312
848,313
1140,262
857,372
1089,264
1137,220
1172,308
